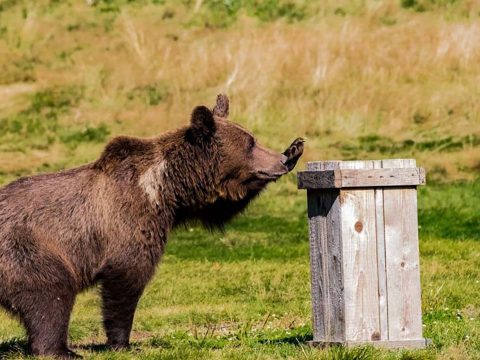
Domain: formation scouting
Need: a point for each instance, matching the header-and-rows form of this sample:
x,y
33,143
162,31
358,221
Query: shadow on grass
x,y
94,347
291,340
248,237
15,346
103,348
19,347
450,211
450,223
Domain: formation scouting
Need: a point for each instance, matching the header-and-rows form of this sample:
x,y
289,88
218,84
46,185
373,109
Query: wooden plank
x,y
336,320
382,271
348,178
318,180
402,259
359,260
384,344
382,177
316,165
323,165
326,264
319,297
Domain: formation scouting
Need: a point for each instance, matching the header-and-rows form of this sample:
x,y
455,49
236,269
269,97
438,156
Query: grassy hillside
x,y
358,79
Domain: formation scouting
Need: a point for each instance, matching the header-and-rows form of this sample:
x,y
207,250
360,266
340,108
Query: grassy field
x,y
358,79
245,294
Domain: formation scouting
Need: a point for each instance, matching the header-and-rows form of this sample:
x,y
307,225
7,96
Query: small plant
x,y
96,134
270,10
340,12
408,3
55,100
152,94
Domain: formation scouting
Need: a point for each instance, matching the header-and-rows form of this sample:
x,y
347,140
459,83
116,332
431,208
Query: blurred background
x,y
360,79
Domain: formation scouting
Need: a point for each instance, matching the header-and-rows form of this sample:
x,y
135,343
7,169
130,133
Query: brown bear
x,y
107,222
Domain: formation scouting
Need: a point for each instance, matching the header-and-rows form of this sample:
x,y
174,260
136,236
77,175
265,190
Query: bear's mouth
x,y
268,176
259,179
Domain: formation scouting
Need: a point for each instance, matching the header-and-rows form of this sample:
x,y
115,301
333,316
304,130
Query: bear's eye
x,y
251,144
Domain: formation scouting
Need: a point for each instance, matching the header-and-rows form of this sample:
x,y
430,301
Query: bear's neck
x,y
182,180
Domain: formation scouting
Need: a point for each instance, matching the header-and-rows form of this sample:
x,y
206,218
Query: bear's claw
x,y
293,153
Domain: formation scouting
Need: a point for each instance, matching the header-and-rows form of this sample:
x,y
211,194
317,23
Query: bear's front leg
x,y
120,296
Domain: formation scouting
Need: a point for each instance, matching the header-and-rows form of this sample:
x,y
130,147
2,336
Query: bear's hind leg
x,y
46,316
40,289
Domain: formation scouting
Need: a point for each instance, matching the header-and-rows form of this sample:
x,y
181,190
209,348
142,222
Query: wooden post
x,y
364,255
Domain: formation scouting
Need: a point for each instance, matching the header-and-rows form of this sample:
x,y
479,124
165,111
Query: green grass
x,y
245,294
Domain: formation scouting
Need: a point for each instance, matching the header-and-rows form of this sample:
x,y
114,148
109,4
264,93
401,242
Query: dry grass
x,y
384,70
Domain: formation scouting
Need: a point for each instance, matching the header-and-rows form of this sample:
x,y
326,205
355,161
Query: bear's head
x,y
239,167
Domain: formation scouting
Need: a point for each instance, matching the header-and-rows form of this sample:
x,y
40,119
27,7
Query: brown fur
x,y
108,221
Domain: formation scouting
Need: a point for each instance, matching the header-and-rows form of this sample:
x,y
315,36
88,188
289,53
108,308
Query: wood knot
x,y
358,226
375,336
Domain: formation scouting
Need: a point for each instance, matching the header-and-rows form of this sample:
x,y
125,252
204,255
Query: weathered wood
x,y
349,178
402,260
364,252
382,276
327,300
383,177
336,287
359,259
327,179
316,221
318,280
384,344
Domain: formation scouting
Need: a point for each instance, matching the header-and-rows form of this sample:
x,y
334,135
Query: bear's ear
x,y
221,108
202,123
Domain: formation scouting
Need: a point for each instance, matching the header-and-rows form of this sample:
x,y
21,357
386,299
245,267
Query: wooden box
x,y
364,254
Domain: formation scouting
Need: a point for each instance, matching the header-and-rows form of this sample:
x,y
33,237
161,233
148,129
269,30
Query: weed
x,y
409,3
151,95
270,10
74,138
